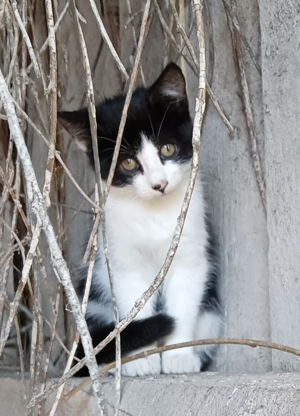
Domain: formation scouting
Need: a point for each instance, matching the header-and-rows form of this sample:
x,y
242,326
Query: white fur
x,y
140,226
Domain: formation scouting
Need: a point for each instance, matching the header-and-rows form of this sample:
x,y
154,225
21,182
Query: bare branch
x,y
25,274
15,51
58,157
77,337
56,26
212,96
52,89
15,199
26,38
20,245
237,49
128,95
107,40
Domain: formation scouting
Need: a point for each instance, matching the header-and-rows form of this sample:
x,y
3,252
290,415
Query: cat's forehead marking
x,y
150,160
147,154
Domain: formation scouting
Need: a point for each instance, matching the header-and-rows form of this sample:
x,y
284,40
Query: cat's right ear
x,y
77,125
169,87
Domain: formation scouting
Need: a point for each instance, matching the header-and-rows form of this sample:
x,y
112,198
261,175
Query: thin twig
x,y
180,29
24,278
58,157
220,111
2,10
46,43
11,251
99,191
15,199
167,30
107,40
55,309
128,96
77,337
237,49
21,358
52,90
236,25
26,38
212,96
15,50
90,99
19,242
116,319
134,35
109,182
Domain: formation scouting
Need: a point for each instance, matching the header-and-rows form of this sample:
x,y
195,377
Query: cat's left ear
x,y
170,86
77,125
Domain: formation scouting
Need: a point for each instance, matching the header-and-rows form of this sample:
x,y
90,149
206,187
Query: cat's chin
x,y
157,196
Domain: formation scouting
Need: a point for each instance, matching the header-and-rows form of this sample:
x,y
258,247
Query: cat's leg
x,y
209,325
129,289
183,292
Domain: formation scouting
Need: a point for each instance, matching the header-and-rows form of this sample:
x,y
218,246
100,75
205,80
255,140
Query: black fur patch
x,y
137,334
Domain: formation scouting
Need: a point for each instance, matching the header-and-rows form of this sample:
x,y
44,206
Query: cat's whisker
x,y
163,119
106,150
103,161
128,148
122,151
113,141
149,116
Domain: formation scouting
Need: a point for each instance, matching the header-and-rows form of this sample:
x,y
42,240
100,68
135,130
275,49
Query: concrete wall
x,y
196,395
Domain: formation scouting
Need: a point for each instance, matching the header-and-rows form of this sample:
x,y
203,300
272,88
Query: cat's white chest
x,y
140,237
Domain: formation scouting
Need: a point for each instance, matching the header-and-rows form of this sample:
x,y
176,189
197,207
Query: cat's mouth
x,y
160,195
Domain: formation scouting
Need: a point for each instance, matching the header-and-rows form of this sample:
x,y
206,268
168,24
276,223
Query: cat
x,y
143,205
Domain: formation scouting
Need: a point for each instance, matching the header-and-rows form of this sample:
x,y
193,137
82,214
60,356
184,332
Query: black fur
x,y
138,334
211,298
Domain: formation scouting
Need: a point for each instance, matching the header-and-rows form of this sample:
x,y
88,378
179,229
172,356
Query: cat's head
x,y
156,147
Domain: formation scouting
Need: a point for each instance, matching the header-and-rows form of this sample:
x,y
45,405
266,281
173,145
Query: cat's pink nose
x,y
160,186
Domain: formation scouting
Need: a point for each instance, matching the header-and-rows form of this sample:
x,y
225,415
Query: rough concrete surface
x,y
207,394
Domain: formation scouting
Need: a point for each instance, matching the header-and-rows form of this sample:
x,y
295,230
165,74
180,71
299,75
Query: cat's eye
x,y
130,164
167,150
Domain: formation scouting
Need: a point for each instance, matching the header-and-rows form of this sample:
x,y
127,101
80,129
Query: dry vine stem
x,y
52,89
238,57
93,124
107,39
92,118
211,94
60,268
139,304
75,343
26,38
128,95
58,157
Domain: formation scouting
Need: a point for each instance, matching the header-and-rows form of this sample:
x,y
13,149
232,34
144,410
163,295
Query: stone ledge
x,y
206,394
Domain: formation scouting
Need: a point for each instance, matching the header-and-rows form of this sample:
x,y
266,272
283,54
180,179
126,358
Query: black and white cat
x,y
142,209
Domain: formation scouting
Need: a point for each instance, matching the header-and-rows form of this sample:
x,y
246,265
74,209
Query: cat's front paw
x,y
143,367
180,362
